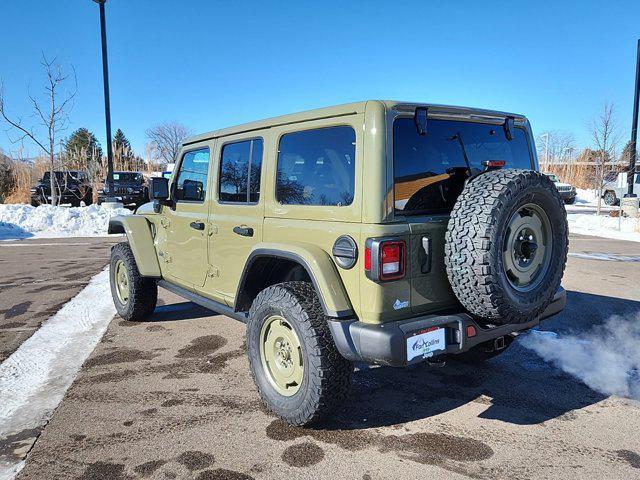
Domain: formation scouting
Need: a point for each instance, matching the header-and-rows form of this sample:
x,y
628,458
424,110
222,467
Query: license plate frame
x,y
426,344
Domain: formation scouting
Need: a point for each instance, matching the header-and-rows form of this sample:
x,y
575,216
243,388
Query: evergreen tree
x,y
82,149
626,153
122,151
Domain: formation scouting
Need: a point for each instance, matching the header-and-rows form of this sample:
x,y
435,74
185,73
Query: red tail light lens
x,y
367,259
392,260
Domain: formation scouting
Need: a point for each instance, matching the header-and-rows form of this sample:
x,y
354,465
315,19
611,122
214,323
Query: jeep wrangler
x,y
381,232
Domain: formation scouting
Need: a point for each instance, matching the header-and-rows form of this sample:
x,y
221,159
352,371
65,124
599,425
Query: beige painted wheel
x,y
527,247
122,282
281,355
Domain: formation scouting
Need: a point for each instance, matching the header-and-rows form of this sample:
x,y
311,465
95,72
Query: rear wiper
x,y
458,137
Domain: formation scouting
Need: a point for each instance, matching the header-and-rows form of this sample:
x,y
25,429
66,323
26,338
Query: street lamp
x,y
107,108
634,131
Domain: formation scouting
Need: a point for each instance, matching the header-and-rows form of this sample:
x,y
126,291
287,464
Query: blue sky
x,y
213,64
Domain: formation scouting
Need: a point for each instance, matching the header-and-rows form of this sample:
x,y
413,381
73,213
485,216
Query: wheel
x,y
610,198
299,373
506,245
482,352
35,203
88,198
133,295
570,201
75,202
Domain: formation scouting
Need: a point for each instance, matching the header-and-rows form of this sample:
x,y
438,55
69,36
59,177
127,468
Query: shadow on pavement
x,y
11,231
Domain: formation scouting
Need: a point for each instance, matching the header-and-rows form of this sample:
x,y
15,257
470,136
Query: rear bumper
x,y
385,343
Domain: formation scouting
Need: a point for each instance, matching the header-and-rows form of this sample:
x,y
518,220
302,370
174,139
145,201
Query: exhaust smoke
x,y
606,358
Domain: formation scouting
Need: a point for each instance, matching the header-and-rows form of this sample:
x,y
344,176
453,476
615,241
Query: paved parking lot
x,y
173,398
41,275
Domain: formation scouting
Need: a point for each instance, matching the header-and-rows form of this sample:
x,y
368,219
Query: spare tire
x,y
506,245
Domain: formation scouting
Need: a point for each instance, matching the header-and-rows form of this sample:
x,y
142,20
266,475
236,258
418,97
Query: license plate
x,y
425,344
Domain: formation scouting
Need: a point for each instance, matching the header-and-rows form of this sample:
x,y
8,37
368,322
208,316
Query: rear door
x,y
237,211
186,223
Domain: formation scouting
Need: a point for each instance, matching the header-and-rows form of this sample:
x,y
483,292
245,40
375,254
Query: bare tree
x,y
555,146
52,114
606,139
166,140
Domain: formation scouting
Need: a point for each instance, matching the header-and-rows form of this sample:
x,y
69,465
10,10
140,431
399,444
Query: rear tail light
x,y
385,259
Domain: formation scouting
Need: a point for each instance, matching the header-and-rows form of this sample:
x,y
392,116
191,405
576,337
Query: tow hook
x,y
498,343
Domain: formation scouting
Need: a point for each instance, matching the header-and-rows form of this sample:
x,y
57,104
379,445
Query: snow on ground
x,y
46,221
584,220
604,226
35,377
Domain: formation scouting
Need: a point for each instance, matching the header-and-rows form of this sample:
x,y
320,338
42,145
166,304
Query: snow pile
x,y
604,226
587,196
46,221
607,358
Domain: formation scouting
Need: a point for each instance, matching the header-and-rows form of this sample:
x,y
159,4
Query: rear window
x,y
429,170
317,167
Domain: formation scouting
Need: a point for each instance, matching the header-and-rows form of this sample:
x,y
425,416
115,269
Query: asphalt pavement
x,y
39,276
173,398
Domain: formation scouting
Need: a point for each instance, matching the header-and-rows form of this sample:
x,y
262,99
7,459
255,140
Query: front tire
x,y
299,373
134,296
610,198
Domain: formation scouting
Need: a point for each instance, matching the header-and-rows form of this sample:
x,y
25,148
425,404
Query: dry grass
x,y
577,174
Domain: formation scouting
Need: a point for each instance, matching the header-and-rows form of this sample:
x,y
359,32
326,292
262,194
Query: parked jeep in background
x,y
566,190
615,187
72,187
379,232
129,188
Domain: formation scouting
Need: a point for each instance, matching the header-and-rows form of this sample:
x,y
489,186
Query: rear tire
x,y
506,245
304,386
134,296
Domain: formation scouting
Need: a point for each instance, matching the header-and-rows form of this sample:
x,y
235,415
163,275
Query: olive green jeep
x,y
379,232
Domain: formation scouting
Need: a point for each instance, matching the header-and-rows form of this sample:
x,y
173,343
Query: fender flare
x,y
318,265
138,231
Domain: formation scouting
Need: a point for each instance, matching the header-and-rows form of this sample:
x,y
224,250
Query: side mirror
x,y
159,188
420,118
192,190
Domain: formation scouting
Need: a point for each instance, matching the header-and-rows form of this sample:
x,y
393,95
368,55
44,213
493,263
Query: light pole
x,y
107,107
634,131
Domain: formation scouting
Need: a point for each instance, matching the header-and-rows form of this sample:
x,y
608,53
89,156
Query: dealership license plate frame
x,y
425,344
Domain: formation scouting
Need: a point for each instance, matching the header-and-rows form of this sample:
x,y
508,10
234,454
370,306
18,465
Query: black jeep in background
x,y
72,187
128,188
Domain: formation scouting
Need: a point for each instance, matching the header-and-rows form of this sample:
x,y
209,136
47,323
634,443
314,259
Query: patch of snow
x,y
604,226
47,221
587,196
606,359
34,379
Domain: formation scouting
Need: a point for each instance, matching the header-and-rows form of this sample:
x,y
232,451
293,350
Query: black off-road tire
x,y
143,291
610,198
475,239
327,375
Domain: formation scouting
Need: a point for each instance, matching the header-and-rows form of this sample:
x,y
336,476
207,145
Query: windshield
x,y
62,177
429,170
127,177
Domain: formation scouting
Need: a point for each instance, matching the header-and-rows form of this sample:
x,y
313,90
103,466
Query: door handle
x,y
197,225
244,231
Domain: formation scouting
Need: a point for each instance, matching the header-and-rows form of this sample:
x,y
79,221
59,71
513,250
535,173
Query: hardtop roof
x,y
336,111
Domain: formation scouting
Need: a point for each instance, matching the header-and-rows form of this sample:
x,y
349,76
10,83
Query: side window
x,y
191,182
317,167
240,168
